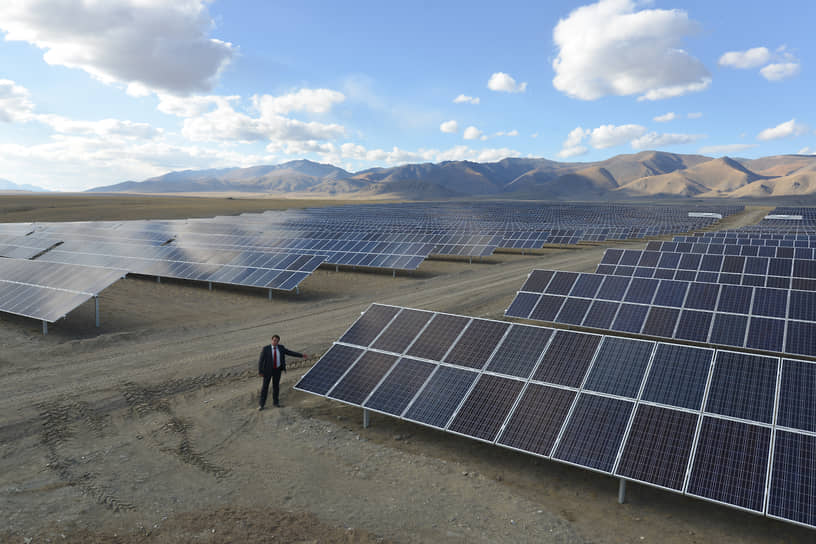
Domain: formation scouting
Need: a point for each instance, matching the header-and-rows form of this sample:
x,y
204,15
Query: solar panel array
x,y
714,248
775,320
687,419
48,292
778,272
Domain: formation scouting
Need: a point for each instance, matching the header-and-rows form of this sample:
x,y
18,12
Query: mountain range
x,y
646,174
6,185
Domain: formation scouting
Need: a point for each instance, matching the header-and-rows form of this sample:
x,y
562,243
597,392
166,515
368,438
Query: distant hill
x,y
645,174
6,185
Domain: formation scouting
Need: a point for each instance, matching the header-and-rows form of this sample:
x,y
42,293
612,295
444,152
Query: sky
x,y
95,92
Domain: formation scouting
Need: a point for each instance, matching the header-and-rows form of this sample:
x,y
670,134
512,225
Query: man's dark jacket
x,y
265,363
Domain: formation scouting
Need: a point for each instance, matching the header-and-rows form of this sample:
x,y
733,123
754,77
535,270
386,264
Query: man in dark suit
x,y
270,365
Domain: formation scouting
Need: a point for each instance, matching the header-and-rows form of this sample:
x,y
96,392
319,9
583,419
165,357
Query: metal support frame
x,y
45,327
96,304
209,285
158,279
622,491
270,293
297,289
394,273
366,419
470,259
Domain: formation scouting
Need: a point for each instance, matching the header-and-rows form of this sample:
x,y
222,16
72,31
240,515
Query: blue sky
x,y
94,92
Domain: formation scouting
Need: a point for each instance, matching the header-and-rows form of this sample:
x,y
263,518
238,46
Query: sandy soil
x,y
145,430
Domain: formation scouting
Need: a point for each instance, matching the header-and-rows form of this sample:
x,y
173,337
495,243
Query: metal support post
x,y
337,268
297,289
470,260
209,285
622,491
96,303
393,273
365,418
158,279
45,327
270,293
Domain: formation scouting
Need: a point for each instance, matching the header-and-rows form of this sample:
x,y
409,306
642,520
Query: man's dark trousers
x,y
274,376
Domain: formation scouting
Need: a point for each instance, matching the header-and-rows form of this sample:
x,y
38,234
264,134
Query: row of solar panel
x,y
25,247
720,249
761,318
49,292
731,269
745,241
626,407
249,276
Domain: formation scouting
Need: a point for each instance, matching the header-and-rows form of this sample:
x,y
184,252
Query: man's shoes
x,y
277,404
260,408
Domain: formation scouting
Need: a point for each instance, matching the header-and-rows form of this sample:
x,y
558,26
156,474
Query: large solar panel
x,y
687,419
49,292
760,318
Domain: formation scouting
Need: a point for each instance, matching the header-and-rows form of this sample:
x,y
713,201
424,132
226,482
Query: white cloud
x,y
724,149
226,124
776,72
609,48
192,106
144,44
400,156
449,127
568,152
15,102
502,82
572,145
752,58
695,115
807,151
472,133
666,117
465,99
106,128
309,100
513,132
610,135
783,130
653,140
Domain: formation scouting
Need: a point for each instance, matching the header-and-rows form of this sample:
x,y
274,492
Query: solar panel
x,y
567,358
743,386
593,434
766,334
797,396
547,308
537,419
792,485
729,329
370,325
661,321
522,305
362,377
399,387
731,463
486,407
630,318
436,339
678,376
520,350
477,343
619,366
441,396
658,447
402,330
573,311
325,373
693,325
801,338
538,281
601,314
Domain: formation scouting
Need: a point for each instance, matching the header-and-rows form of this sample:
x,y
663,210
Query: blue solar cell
x,y
731,463
649,259
601,314
792,493
694,325
735,299
630,318
801,338
669,260
664,273
612,256
733,264
780,267
486,407
587,285
661,322
802,305
567,358
440,396
520,350
804,269
690,261
756,265
756,281
630,257
537,281
731,279
641,290
400,386
770,302
538,418
643,272
797,396
619,366
678,376
605,269
685,275
777,282
766,334
325,373
708,277
522,305
658,447
743,386
624,271
671,293
573,311
729,329
613,288
702,296
593,434
547,308
561,283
